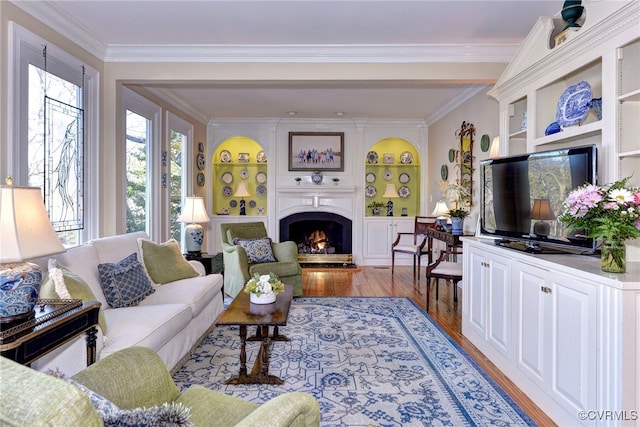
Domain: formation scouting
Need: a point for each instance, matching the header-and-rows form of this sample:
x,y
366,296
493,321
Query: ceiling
x,y
400,32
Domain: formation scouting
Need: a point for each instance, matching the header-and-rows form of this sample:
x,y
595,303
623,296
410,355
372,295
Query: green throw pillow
x,y
164,261
69,286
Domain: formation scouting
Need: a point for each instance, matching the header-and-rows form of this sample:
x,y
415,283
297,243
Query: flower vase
x,y
263,298
457,226
613,256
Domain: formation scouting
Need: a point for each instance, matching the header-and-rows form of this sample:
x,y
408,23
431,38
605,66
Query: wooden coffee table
x,y
242,313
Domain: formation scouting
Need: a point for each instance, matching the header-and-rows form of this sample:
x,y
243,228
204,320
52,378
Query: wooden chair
x,y
445,267
417,248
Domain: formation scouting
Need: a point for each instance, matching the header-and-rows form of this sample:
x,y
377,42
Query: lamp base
x,y
541,229
193,236
19,288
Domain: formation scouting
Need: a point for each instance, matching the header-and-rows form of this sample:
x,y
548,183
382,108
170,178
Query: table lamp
x,y
193,213
441,211
390,192
25,233
242,192
542,212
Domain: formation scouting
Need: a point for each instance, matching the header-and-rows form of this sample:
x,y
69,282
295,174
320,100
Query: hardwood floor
x,y
377,281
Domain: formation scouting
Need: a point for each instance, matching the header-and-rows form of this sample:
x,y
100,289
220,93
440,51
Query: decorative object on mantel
x,y
316,178
335,180
242,192
26,233
457,220
194,213
297,179
263,289
611,213
390,192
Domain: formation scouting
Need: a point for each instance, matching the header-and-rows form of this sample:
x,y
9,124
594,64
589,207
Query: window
x,y
138,131
180,140
54,98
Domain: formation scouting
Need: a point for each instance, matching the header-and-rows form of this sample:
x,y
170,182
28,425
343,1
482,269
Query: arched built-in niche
x,y
393,161
239,159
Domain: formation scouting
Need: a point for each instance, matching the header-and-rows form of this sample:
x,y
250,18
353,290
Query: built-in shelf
x,y
521,134
572,133
634,153
633,96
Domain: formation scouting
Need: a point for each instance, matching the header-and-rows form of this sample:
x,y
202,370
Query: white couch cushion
x,y
151,326
114,248
197,292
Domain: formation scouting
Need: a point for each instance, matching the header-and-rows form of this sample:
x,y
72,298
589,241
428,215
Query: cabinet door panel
x,y
378,240
477,290
499,297
532,328
574,337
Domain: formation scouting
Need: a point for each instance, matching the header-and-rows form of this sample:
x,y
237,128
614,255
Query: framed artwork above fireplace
x,y
316,151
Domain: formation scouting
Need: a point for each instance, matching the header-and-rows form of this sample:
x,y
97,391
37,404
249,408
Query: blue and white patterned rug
x,y
368,361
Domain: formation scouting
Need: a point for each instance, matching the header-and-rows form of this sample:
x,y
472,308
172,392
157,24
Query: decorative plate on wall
x,y
370,191
370,177
200,160
372,157
244,173
261,190
233,203
227,191
388,175
261,157
444,172
406,158
404,191
260,211
201,147
261,177
225,156
452,155
201,179
574,104
484,143
227,177
252,204
404,178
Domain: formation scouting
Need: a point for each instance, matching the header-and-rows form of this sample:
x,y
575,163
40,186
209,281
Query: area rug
x,y
368,361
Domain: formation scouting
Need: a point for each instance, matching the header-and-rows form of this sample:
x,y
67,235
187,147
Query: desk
x,y
444,236
55,323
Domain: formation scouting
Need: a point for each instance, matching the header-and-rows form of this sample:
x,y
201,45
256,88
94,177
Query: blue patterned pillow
x,y
125,284
258,250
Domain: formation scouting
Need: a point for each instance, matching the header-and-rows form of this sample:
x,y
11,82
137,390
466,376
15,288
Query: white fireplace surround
x,y
293,199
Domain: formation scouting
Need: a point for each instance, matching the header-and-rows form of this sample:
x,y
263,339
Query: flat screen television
x,y
522,196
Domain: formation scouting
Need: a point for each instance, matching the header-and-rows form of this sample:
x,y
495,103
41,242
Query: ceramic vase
x,y
263,299
457,225
613,256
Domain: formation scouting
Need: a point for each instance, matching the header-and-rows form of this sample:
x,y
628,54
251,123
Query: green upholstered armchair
x,y
237,268
136,377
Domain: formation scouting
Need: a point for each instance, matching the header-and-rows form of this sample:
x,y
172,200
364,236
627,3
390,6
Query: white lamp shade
x,y
193,211
242,191
494,151
25,229
441,209
390,192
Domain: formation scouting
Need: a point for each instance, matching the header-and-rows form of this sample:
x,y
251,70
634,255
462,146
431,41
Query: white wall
x,y
482,112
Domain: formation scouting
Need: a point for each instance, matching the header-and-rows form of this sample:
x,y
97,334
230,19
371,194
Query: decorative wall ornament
x,y
465,180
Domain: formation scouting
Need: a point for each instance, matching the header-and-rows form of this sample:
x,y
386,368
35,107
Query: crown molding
x,y
51,16
454,102
379,53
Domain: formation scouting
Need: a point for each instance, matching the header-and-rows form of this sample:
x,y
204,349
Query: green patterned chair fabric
x,y
132,378
238,270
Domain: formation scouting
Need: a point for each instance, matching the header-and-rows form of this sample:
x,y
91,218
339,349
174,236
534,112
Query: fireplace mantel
x,y
328,198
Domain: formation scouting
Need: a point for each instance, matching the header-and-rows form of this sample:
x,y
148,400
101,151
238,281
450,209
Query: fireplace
x,y
322,237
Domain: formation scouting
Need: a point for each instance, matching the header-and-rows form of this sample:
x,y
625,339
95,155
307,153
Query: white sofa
x,y
170,321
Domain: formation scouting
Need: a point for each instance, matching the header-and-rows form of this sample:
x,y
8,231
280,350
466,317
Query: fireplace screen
x,y
317,232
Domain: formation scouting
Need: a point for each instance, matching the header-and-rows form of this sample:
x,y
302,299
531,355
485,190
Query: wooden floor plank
x,y
378,282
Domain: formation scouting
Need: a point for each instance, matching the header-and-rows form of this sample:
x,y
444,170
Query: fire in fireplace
x,y
322,237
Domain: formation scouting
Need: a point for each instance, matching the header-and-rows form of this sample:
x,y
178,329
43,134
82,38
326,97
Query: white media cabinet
x,y
567,334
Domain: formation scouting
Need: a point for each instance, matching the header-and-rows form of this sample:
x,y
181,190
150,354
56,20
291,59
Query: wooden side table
x,y
213,263
56,322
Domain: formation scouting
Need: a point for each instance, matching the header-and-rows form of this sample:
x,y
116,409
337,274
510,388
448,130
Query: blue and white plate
x,y
227,191
574,104
404,191
261,190
372,157
370,191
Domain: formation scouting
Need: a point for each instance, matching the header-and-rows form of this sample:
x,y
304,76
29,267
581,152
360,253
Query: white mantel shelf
x,y
319,190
